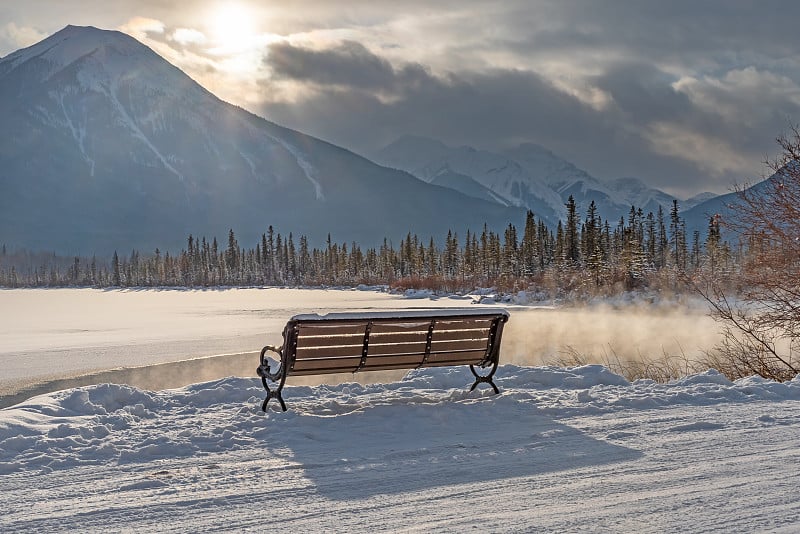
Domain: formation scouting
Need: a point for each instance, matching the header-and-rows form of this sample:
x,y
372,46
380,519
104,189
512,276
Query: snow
x,y
303,163
126,120
400,314
69,45
559,449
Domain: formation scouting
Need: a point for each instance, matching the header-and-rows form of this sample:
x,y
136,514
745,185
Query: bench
x,y
374,341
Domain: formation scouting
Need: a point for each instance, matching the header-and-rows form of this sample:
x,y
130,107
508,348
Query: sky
x,y
689,96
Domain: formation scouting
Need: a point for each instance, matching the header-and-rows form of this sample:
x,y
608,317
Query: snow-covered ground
x,y
559,450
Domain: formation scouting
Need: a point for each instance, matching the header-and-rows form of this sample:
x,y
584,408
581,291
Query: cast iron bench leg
x,y
272,394
484,379
279,376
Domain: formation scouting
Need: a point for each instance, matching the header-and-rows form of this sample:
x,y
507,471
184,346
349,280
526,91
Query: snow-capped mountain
x,y
106,145
501,178
633,192
547,179
568,180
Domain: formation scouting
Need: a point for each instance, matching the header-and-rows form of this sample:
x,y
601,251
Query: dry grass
x,y
663,369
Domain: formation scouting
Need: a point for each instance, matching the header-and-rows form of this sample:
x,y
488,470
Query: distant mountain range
x,y
528,176
105,146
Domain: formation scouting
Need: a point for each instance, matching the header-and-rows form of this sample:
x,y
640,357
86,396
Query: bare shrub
x,y
663,369
759,306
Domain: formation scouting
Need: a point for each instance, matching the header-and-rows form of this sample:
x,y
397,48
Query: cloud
x,y
141,27
733,94
708,153
19,36
185,36
648,124
348,64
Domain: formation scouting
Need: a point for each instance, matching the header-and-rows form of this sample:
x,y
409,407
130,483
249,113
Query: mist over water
x,y
633,333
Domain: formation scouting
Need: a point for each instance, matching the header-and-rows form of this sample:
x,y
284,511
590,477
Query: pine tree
x,y
560,246
677,237
432,255
529,247
663,242
291,258
231,254
571,237
115,277
510,248
592,249
304,262
714,250
650,240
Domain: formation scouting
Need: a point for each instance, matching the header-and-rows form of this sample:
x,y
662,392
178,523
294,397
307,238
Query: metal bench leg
x,y
272,394
279,376
484,379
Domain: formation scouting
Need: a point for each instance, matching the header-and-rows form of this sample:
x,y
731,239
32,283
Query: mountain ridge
x,y
543,169
115,148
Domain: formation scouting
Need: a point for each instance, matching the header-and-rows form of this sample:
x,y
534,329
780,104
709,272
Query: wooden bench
x,y
373,341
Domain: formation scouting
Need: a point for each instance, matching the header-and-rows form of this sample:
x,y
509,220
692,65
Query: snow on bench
x,y
374,341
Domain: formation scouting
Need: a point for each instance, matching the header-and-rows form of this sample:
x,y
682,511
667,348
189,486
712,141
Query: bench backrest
x,y
350,342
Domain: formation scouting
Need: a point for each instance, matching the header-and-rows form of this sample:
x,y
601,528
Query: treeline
x,y
582,252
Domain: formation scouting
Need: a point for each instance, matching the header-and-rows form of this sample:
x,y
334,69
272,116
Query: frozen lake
x,y
59,338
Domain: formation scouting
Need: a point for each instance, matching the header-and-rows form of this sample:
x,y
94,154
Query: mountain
x,y
698,199
547,179
568,180
105,145
634,192
613,198
697,217
500,178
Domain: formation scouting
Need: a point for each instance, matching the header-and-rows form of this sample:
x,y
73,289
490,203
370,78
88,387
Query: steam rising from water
x,y
634,333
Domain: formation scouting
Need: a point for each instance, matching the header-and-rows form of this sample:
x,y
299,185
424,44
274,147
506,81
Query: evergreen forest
x,y
583,255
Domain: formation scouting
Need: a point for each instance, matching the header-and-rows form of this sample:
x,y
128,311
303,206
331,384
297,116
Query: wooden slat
x,y
387,367
311,372
454,335
409,361
329,341
455,357
400,337
395,348
462,324
342,351
453,363
320,364
380,327
464,344
381,366
317,329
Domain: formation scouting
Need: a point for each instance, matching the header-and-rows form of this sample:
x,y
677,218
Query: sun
x,y
232,27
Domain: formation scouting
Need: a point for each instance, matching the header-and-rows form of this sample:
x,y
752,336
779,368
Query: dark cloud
x,y
644,92
500,108
686,32
349,64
